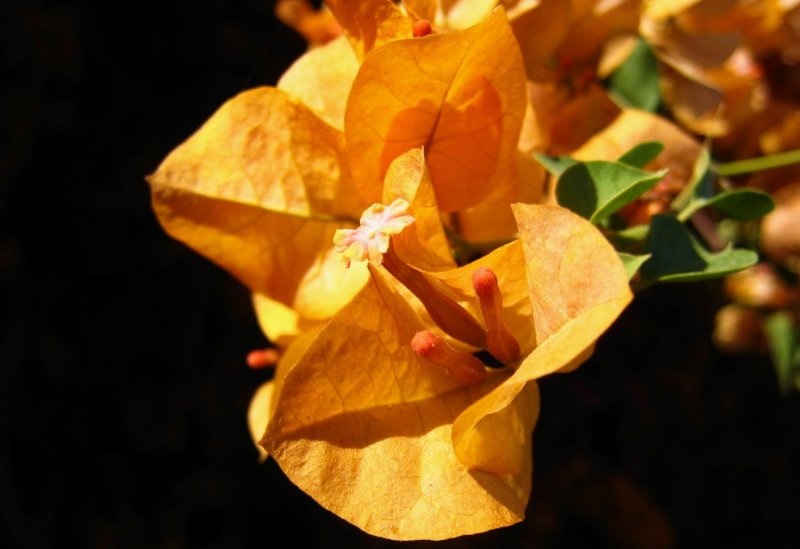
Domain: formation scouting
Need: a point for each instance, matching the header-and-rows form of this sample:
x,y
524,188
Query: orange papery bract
x,y
380,408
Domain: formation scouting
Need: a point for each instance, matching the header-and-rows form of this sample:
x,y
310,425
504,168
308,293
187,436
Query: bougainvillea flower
x,y
422,245
461,95
709,79
261,187
563,45
317,27
566,118
369,24
331,68
407,439
780,230
558,37
766,27
370,241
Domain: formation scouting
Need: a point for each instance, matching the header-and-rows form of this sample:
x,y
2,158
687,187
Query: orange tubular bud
x,y
451,317
371,241
422,28
262,358
462,366
499,340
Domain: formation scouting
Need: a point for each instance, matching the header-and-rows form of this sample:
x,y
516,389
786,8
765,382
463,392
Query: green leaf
x,y
677,256
629,239
642,154
632,262
738,204
597,189
781,335
636,82
556,165
637,233
671,247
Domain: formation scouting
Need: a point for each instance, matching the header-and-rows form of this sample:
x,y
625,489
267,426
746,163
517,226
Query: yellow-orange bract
x,y
392,443
260,189
262,186
461,95
331,68
357,420
710,76
369,24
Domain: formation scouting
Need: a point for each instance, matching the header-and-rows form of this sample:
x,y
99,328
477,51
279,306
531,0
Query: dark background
x,y
123,388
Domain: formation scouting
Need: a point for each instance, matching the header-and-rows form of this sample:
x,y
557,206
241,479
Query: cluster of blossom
x,y
409,343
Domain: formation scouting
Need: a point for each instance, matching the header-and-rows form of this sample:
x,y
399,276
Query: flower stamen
x,y
371,242
464,367
421,28
500,342
371,239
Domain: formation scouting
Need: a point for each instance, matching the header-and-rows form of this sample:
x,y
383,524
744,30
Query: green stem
x,y
759,164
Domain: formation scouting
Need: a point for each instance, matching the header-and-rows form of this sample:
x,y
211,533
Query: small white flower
x,y
371,239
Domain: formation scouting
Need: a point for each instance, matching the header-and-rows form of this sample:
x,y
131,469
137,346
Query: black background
x,y
123,388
